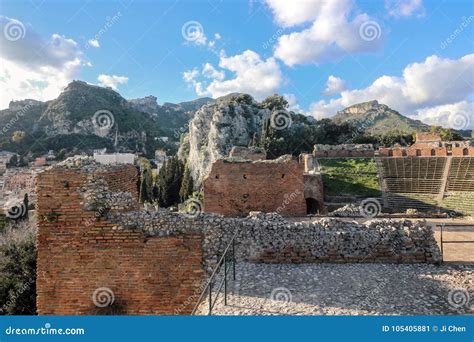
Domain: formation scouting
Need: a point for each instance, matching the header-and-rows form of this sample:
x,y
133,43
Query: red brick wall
x,y
235,189
147,275
424,152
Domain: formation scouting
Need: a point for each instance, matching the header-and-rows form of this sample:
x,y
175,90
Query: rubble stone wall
x,y
343,151
152,261
271,238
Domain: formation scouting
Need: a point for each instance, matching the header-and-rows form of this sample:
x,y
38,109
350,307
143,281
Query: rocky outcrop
x,y
376,118
215,129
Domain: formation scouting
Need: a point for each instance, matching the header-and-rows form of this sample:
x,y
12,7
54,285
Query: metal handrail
x,y
208,287
442,226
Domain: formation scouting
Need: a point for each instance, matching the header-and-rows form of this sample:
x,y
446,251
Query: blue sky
x,y
414,55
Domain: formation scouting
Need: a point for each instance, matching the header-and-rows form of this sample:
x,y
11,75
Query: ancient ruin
x,y
430,175
94,236
245,182
344,151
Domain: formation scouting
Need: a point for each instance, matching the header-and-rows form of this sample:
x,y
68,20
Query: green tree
x,y
146,180
169,181
18,270
275,102
446,134
187,185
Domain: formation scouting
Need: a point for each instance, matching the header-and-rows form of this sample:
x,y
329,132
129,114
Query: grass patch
x,y
353,177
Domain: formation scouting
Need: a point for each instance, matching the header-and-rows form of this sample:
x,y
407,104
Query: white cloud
x,y
446,114
193,33
190,75
112,81
251,74
333,31
404,8
210,72
34,67
94,43
424,91
334,85
292,102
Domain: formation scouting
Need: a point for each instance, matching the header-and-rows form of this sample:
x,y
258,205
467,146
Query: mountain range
x,y
85,117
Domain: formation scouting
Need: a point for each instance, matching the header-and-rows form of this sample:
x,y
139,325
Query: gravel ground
x,y
348,289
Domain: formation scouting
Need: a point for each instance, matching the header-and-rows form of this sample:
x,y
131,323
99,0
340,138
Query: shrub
x,y
18,269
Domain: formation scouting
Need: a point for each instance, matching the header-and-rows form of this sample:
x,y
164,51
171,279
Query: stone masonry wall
x,y
94,250
343,151
237,187
84,260
272,239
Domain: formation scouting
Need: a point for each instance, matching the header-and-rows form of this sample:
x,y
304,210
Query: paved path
x,y
349,289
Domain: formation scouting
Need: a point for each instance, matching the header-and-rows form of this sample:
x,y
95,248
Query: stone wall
x,y
248,153
343,151
94,250
85,261
272,239
236,187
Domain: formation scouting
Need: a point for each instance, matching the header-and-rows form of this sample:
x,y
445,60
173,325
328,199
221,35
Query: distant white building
x,y
160,158
115,158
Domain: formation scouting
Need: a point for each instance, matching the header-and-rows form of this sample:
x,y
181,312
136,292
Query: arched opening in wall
x,y
418,153
433,152
390,153
465,152
312,206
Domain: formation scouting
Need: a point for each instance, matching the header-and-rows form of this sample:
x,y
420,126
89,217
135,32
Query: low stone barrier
x,y
270,238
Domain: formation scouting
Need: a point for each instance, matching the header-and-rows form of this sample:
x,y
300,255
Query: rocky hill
x,y
170,115
86,117
376,118
217,127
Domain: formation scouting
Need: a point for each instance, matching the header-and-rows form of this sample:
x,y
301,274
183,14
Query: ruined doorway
x,y
312,206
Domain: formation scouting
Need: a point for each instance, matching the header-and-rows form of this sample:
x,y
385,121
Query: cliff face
x,y
215,129
376,118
